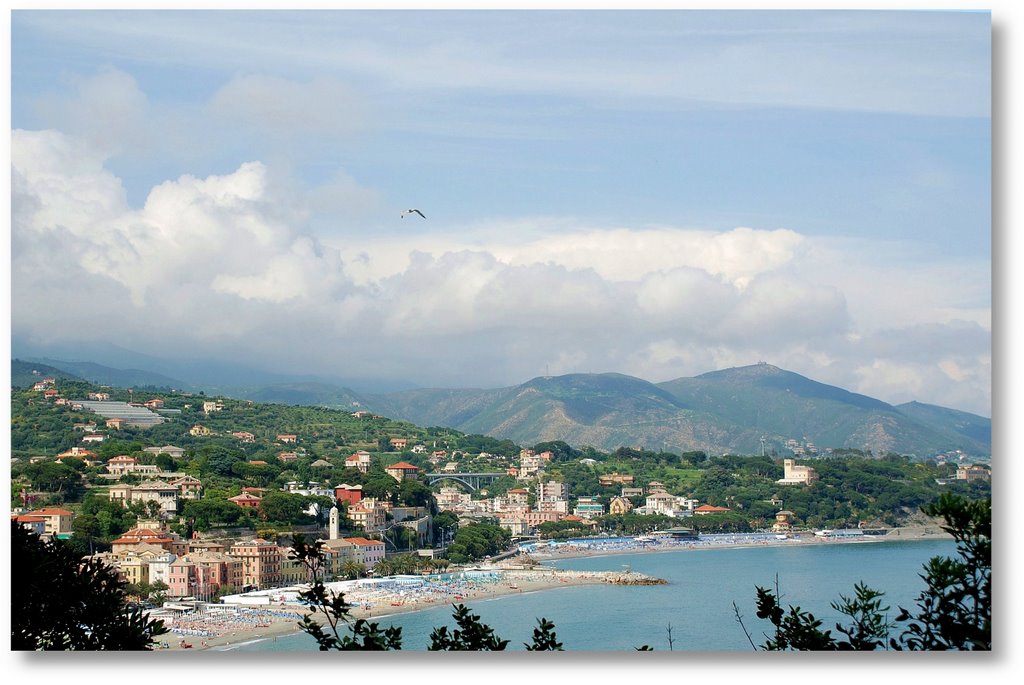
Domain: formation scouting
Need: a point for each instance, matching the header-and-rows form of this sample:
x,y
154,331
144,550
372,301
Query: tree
x,y
471,635
544,638
66,603
285,507
954,611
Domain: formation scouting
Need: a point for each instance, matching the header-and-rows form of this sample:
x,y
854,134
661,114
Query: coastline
x,y
513,577
513,581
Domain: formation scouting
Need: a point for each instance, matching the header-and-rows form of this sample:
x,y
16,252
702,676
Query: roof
x,y
137,535
363,541
404,465
51,511
708,507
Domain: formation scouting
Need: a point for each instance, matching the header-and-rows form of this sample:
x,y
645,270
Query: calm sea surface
x,y
697,602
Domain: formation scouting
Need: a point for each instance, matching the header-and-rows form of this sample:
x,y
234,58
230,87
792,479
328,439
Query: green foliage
x,y
210,511
470,636
476,541
954,611
544,638
66,603
49,476
285,508
561,450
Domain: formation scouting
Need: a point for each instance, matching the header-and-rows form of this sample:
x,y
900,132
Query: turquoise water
x,y
697,602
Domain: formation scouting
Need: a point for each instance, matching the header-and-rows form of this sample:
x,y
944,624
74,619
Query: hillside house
x,y
706,509
246,500
402,470
797,474
57,521
169,450
360,461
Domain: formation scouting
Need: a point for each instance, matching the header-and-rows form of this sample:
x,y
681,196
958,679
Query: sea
x,y
696,611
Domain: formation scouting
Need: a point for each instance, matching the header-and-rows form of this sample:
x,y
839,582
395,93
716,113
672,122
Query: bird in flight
x,y
412,211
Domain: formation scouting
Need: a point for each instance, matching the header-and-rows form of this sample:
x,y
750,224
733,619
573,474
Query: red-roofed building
x,y
286,457
35,524
121,464
368,552
246,500
401,470
360,460
138,536
705,509
153,404
57,520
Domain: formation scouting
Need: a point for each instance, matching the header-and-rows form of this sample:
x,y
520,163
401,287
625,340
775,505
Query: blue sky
x,y
659,193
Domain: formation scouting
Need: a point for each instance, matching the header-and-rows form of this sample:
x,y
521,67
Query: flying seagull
x,y
412,211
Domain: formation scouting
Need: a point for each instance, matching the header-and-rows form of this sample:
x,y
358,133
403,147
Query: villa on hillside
x,y
796,474
360,461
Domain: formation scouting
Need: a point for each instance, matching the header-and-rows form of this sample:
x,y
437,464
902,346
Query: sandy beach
x,y
246,624
224,626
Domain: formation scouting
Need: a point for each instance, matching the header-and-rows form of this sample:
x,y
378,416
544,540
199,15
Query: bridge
x,y
473,481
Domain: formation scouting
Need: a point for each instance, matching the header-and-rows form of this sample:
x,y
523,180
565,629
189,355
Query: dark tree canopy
x,y
66,603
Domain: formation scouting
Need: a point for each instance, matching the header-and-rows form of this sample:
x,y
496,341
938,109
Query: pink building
x,y
368,552
246,500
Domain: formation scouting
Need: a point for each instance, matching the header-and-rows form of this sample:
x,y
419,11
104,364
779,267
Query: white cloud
x,y
223,265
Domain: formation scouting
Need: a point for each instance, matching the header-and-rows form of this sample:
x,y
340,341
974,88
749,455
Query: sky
x,y
655,193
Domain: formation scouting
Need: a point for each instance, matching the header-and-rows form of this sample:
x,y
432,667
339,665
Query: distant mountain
x,y
121,378
726,411
942,419
25,374
719,412
310,394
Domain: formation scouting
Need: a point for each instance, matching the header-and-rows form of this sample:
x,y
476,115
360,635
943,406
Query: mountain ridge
x,y
721,411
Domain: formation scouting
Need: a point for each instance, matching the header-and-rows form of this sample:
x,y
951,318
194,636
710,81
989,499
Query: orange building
x,y
261,563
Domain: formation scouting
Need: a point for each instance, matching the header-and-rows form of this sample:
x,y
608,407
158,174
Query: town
x,y
216,516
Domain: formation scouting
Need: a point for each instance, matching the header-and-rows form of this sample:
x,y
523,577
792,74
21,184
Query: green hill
x,y
25,374
311,394
121,378
727,411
